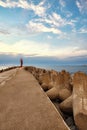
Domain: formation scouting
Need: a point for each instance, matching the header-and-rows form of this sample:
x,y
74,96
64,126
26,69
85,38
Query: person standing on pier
x,y
21,62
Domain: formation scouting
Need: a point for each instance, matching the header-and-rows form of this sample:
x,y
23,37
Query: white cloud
x,y
46,22
8,4
4,32
50,23
79,5
58,21
64,36
83,30
79,52
62,3
26,47
38,9
82,5
49,37
55,20
39,27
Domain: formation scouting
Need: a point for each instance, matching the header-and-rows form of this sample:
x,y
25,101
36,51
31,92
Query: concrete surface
x,y
7,75
25,106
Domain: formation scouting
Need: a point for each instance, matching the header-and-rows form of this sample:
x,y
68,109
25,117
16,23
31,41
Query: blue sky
x,y
45,28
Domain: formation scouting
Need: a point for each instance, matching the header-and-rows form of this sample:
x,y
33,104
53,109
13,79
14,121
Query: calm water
x,y
69,68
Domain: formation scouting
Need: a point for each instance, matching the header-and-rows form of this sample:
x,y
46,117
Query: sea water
x,y
68,68
57,67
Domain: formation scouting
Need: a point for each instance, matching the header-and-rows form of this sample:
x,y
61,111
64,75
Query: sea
x,y
58,67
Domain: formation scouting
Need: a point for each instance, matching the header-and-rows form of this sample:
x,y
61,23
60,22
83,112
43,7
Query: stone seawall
x,y
64,91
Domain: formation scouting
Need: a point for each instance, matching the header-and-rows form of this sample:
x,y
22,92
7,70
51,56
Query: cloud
x,y
30,48
64,36
79,5
4,32
79,52
39,27
49,37
46,22
83,30
24,47
38,9
82,5
62,3
58,21
54,20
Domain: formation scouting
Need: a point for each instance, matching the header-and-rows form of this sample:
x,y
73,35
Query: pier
x,y
24,105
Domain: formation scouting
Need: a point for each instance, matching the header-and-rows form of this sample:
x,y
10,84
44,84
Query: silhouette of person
x,y
21,62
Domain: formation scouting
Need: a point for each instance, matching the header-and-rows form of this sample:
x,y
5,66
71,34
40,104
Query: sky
x,y
43,28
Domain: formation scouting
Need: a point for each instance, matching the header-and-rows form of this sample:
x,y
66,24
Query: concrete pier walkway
x,y
7,75
25,106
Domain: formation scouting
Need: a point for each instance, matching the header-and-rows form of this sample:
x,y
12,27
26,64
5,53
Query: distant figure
x,y
21,62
